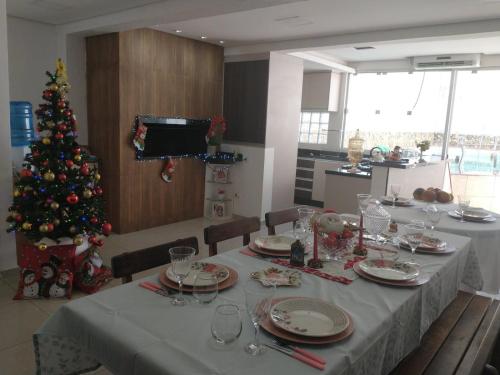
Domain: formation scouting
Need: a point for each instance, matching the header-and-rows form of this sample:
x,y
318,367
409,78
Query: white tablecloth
x,y
132,331
485,238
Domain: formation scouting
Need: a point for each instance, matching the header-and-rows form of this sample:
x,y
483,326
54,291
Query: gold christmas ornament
x,y
87,193
13,214
97,176
77,157
43,228
28,188
17,193
49,176
54,205
78,240
42,246
50,124
53,87
72,229
46,141
26,225
57,222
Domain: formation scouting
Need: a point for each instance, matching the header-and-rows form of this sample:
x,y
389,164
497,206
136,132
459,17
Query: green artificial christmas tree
x,y
58,193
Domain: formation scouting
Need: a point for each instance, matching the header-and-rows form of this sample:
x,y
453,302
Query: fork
x,y
304,352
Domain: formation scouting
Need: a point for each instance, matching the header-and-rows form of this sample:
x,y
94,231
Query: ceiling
x,y
314,18
65,11
397,51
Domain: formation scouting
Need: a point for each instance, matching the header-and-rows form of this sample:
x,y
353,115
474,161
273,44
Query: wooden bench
x,y
462,341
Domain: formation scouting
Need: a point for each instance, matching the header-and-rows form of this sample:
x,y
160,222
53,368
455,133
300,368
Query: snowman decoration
x,y
60,287
31,286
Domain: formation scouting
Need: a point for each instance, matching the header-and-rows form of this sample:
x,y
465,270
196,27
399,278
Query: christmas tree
x,y
57,193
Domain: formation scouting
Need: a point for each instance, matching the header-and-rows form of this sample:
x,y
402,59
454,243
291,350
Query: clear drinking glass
x,y
395,190
258,302
205,287
414,234
226,324
181,258
305,215
463,205
299,230
376,224
433,216
363,202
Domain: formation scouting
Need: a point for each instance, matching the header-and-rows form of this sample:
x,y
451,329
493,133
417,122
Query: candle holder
x,y
315,262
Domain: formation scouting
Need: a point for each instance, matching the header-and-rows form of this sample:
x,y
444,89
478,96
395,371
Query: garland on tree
x,y
58,193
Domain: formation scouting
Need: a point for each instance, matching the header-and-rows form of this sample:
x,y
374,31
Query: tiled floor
x,y
19,319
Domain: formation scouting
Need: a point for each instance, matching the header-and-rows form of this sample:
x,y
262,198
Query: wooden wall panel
x,y
164,75
103,121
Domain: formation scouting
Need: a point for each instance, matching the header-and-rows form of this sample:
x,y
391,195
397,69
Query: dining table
x,y
133,331
485,237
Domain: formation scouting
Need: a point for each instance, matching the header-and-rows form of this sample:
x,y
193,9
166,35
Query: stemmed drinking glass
x,y
395,190
305,215
433,216
463,205
181,258
258,302
414,234
363,202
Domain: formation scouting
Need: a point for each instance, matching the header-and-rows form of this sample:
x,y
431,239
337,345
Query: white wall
x,y
7,243
282,126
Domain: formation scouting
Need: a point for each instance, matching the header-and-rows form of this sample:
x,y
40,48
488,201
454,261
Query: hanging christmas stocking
x,y
168,170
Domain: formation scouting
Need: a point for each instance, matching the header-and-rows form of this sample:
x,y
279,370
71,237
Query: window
x,y
314,127
397,109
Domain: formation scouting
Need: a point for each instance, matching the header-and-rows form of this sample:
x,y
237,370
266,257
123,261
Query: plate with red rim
x,y
400,201
420,280
472,218
277,243
220,271
269,327
227,283
428,243
387,269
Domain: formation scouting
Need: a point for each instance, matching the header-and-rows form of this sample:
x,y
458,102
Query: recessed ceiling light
x,y
203,37
364,47
178,31
221,42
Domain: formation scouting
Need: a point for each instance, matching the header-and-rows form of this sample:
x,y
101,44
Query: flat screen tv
x,y
160,137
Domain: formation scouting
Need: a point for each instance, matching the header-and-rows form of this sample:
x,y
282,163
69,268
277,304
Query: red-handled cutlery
x,y
298,356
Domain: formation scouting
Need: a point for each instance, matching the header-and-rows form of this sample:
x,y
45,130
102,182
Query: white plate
x,y
476,213
197,267
456,215
309,317
389,269
275,243
427,243
399,202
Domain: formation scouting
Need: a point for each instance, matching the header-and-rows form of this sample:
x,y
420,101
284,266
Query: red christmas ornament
x,y
35,154
18,218
92,239
72,198
61,103
106,229
94,220
67,112
45,163
84,169
50,227
59,136
98,190
61,177
47,94
62,127
77,150
26,173
69,163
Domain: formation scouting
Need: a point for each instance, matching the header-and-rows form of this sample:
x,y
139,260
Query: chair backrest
x,y
225,231
290,215
126,264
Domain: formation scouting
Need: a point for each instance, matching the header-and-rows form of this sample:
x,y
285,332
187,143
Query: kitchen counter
x,y
345,172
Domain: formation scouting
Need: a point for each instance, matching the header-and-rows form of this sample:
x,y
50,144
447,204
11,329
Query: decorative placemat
x,y
340,271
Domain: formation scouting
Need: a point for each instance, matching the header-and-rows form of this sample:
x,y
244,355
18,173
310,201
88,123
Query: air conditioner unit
x,y
446,61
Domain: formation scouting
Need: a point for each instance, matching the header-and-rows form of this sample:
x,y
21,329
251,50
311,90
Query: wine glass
x,y
433,215
205,287
299,230
181,257
395,190
226,324
463,205
375,224
305,215
258,302
414,234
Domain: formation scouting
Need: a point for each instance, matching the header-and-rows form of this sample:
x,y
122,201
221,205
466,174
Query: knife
x,y
304,352
300,357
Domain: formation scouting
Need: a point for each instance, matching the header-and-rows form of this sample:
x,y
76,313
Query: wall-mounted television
x,y
160,137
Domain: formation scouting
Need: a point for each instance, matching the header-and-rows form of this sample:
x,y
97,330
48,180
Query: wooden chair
x,y
126,264
290,215
225,231
461,341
